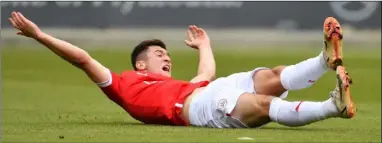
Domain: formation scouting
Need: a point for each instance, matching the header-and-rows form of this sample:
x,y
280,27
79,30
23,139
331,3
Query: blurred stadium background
x,y
232,22
40,102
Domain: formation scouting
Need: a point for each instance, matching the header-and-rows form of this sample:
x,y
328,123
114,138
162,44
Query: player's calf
x,y
300,113
278,80
257,110
303,74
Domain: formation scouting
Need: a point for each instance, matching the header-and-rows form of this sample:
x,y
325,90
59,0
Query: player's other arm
x,y
199,39
206,68
74,55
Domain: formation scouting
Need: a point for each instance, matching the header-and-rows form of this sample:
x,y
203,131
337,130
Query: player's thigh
x,y
268,82
211,106
252,109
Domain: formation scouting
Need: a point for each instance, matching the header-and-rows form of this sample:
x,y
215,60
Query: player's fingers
x,y
187,42
22,18
189,34
196,31
19,19
13,23
20,33
196,27
193,33
193,27
16,19
200,32
13,13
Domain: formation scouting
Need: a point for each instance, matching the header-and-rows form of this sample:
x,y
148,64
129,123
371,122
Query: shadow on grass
x,y
138,124
118,123
300,129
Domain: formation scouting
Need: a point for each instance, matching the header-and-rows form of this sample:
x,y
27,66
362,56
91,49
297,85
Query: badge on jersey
x,y
222,103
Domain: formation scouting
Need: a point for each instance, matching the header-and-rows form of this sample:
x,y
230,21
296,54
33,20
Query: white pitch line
x,y
245,138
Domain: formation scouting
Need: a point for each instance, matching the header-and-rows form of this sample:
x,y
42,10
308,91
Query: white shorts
x,y
211,108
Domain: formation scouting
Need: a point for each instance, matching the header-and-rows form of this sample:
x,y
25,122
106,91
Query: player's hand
x,y
27,28
197,37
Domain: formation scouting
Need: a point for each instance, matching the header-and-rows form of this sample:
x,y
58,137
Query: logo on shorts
x,y
222,103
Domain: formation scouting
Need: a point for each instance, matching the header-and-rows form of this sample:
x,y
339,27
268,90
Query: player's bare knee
x,y
263,102
268,82
278,69
261,79
261,112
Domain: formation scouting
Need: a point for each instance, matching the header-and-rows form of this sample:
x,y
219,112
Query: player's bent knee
x,y
278,69
253,110
268,82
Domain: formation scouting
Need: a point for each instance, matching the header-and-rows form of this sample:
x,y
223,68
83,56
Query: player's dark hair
x,y
142,47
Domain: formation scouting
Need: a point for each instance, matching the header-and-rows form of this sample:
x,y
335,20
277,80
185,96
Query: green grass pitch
x,y
45,99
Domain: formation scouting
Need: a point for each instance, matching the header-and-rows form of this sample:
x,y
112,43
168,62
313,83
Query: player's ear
x,y
141,65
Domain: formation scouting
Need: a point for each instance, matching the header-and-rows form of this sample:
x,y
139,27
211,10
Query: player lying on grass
x,y
246,99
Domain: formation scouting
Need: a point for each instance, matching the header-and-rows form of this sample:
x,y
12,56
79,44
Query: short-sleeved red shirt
x,y
150,98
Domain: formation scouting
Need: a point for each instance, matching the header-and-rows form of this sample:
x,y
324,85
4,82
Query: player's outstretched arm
x,y
199,39
74,55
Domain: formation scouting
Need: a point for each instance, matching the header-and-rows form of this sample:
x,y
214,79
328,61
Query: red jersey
x,y
150,98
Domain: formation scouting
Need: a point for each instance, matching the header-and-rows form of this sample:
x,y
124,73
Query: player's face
x,y
158,61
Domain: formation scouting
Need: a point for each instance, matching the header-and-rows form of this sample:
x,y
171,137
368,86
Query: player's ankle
x,y
323,62
330,108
